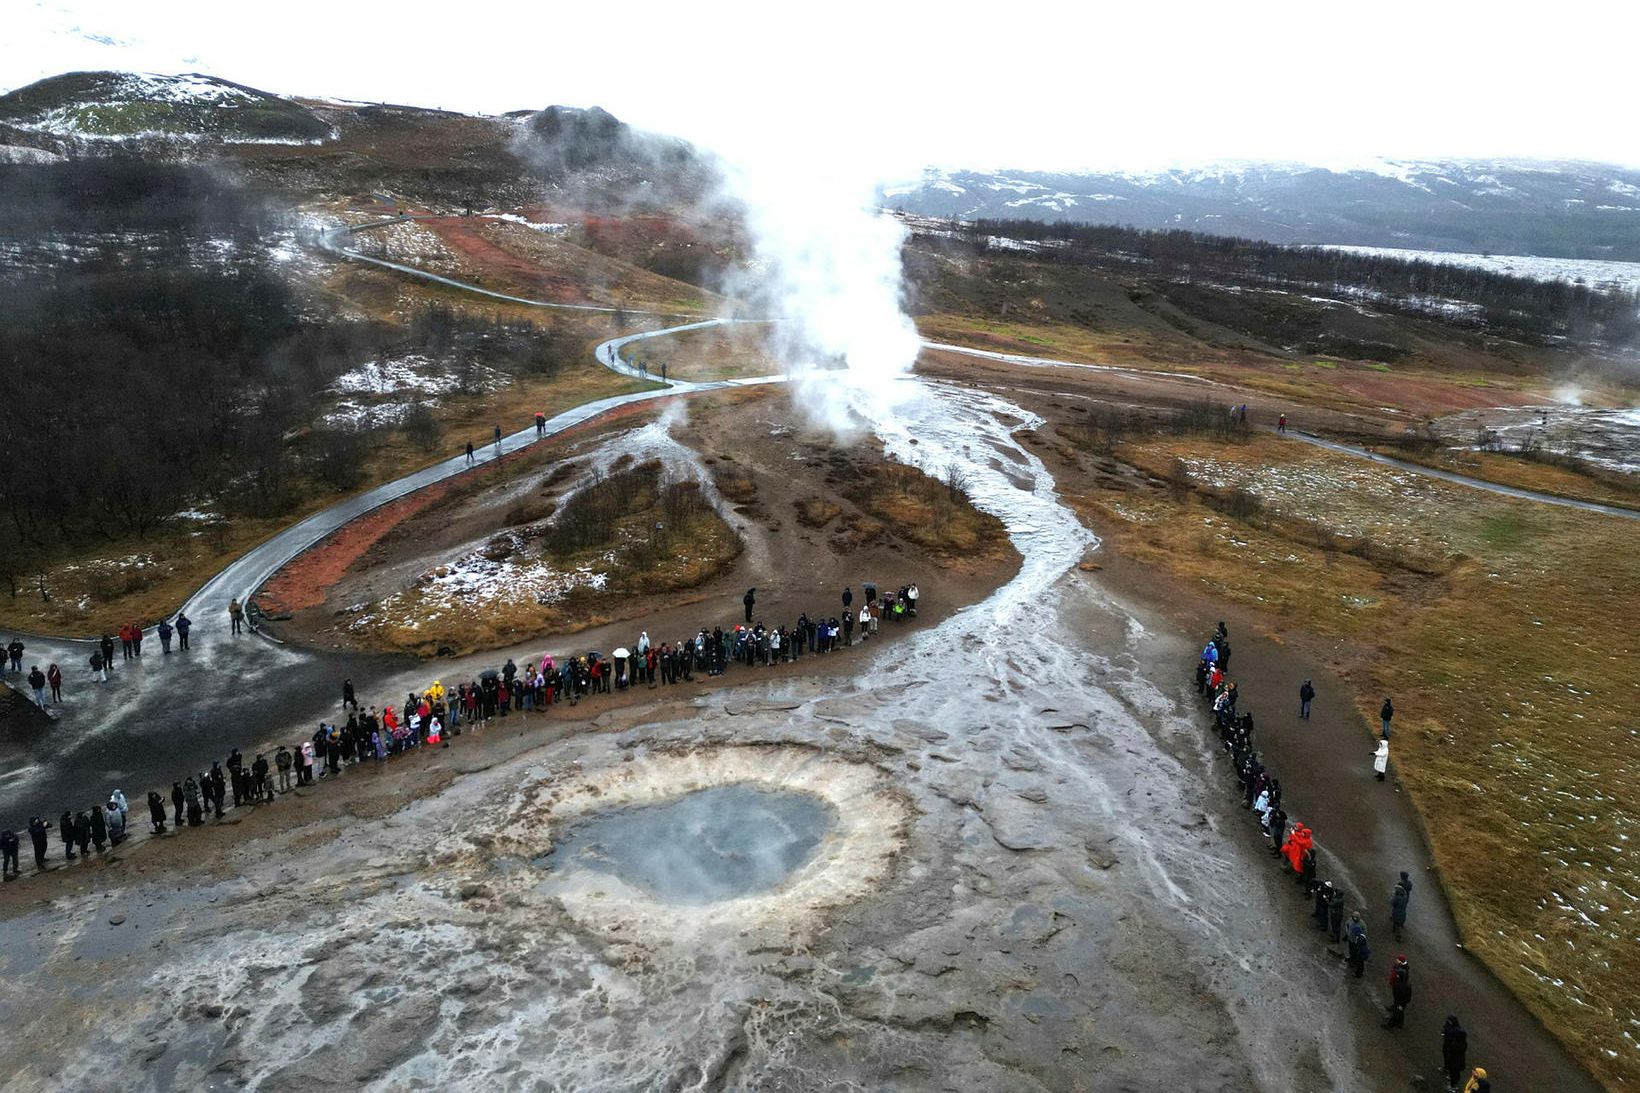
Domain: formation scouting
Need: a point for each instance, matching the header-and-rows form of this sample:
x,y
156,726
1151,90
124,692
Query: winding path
x,y
1464,480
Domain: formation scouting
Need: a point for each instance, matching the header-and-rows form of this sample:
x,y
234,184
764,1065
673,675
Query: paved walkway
x,y
1465,480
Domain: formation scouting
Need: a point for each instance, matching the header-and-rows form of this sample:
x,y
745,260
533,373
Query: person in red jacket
x,y
1400,993
54,678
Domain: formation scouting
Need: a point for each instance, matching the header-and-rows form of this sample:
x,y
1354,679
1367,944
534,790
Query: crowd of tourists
x,y
1293,843
430,718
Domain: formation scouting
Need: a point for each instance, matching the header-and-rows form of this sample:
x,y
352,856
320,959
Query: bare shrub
x,y
421,426
1178,480
338,457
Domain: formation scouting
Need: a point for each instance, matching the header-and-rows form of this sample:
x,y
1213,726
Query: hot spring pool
x,y
714,844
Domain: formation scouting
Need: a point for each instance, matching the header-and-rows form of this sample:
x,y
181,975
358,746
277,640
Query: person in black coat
x,y
8,855
1359,951
176,801
749,600
1335,915
65,827
37,829
1454,1051
99,827
1306,695
156,811
82,834
1323,896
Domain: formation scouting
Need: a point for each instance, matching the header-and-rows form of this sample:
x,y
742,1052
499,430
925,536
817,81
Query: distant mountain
x,y
1558,210
129,106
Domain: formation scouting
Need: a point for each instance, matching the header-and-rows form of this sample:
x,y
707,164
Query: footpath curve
x,y
1464,480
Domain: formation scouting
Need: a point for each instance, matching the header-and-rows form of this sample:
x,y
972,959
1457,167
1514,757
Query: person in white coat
x,y
1380,759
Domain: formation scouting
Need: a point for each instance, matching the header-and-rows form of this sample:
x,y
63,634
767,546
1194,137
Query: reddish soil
x,y
1426,395
794,568
614,236
302,583
462,235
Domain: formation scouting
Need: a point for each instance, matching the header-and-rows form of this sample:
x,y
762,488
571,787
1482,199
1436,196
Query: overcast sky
x,y
897,86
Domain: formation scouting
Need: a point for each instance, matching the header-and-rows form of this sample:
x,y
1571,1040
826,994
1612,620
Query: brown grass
x,y
1500,627
933,514
1545,476
521,261
712,353
733,482
92,591
816,512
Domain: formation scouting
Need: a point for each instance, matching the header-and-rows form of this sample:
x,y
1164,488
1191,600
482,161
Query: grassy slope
x,y
1565,479
142,579
725,352
99,589
1500,628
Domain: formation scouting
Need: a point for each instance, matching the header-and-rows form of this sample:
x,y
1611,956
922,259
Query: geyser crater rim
x,y
849,865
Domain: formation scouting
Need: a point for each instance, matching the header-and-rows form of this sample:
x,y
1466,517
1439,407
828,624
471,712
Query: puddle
x,y
714,844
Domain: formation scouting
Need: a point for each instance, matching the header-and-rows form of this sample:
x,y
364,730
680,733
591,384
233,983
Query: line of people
x,y
101,661
1294,844
431,717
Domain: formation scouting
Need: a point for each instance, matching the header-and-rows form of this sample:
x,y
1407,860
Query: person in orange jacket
x,y
1297,843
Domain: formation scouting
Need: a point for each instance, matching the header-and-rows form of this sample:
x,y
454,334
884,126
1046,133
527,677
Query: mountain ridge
x,y
1549,208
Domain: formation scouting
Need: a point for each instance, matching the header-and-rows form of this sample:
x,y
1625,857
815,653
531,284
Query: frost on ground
x,y
1505,631
1605,436
129,106
1621,275
474,583
383,392
1351,496
548,227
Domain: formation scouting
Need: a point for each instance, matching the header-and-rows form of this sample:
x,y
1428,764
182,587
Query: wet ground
x,y
1027,892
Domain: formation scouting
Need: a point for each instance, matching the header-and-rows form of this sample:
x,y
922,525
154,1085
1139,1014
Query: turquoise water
x,y
710,845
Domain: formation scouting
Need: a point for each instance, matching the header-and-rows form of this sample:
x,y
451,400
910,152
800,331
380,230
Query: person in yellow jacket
x,y
435,693
1478,1082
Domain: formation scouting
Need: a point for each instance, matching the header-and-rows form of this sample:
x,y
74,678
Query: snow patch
x,y
533,225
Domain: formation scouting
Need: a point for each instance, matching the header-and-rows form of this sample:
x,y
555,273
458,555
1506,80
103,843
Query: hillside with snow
x,y
1560,210
124,106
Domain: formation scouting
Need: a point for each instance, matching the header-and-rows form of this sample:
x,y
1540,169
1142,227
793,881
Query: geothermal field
x,y
496,501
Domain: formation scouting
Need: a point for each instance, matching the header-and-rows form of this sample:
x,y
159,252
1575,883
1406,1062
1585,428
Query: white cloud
x,y
896,86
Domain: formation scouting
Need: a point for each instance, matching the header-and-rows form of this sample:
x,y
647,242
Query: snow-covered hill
x,y
112,106
1564,210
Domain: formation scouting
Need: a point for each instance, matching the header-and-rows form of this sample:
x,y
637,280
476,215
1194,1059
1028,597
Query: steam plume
x,y
831,273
